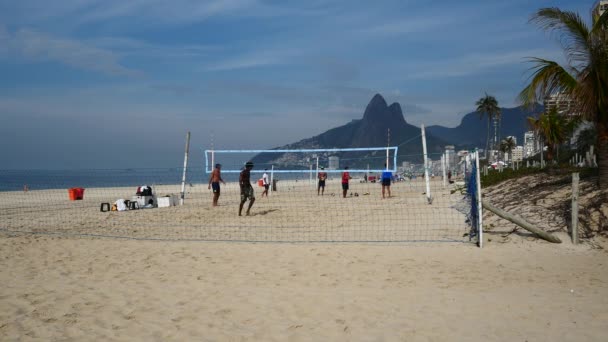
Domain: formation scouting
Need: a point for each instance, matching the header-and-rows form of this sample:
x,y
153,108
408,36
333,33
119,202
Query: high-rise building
x,y
562,102
599,8
517,154
450,155
334,163
530,144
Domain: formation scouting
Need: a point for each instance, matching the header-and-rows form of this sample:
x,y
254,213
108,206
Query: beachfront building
x,y
450,156
530,144
562,102
566,107
517,154
334,163
462,154
599,8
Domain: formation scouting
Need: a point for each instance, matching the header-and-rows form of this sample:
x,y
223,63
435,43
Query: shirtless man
x,y
214,182
246,188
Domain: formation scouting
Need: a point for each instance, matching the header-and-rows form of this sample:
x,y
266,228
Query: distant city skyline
x,y
103,84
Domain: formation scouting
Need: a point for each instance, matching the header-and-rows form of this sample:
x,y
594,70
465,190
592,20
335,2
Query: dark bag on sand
x,y
144,191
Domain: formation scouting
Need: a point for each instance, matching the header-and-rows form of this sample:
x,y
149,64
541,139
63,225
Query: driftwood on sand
x,y
520,222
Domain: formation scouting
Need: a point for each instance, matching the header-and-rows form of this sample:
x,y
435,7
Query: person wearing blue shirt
x,y
386,181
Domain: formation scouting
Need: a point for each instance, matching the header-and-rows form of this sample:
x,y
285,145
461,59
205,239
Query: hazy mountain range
x,y
372,131
472,131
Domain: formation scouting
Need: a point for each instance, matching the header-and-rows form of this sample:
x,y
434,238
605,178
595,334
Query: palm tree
x,y
585,77
488,107
507,146
585,139
553,128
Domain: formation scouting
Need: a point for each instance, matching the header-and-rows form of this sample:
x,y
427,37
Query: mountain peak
x,y
371,131
378,111
376,105
378,98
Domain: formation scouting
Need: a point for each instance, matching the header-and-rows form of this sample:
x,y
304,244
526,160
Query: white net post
x,y
443,175
310,168
183,190
479,204
271,179
427,181
317,172
387,162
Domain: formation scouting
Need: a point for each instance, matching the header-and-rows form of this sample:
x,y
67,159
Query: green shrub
x,y
495,177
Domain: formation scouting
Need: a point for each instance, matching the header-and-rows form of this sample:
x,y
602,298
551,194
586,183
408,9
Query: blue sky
x,y
113,83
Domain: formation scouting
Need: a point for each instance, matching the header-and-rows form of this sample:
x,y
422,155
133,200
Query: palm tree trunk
x,y
498,134
602,155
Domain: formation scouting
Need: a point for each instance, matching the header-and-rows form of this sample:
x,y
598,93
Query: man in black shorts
x,y
246,188
345,178
387,176
322,178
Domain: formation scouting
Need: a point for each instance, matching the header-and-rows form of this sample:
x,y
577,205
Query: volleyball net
x,y
419,199
334,160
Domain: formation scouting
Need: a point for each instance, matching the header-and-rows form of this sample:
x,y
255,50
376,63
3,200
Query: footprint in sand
x,y
223,312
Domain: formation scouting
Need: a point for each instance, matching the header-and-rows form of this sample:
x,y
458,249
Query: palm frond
x,y
533,123
548,77
573,32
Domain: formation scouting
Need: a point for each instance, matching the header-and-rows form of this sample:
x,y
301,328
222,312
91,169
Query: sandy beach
x,y
152,277
88,289
294,213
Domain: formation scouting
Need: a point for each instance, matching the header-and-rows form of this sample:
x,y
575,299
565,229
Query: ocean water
x,y
15,180
11,180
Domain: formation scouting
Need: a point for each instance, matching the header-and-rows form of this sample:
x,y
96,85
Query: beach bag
x,y
120,205
144,190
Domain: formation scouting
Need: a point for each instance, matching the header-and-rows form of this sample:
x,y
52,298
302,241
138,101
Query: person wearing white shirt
x,y
266,183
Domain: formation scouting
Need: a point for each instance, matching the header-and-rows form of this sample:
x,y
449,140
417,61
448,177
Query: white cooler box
x,y
167,201
144,200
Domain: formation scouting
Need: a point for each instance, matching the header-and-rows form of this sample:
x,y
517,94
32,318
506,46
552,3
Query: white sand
x,y
87,289
58,284
294,213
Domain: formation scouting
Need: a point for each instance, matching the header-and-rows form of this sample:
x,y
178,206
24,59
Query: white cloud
x,y
407,25
133,47
261,57
37,46
163,12
474,63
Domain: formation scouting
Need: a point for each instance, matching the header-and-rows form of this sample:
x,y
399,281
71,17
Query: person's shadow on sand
x,y
264,212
